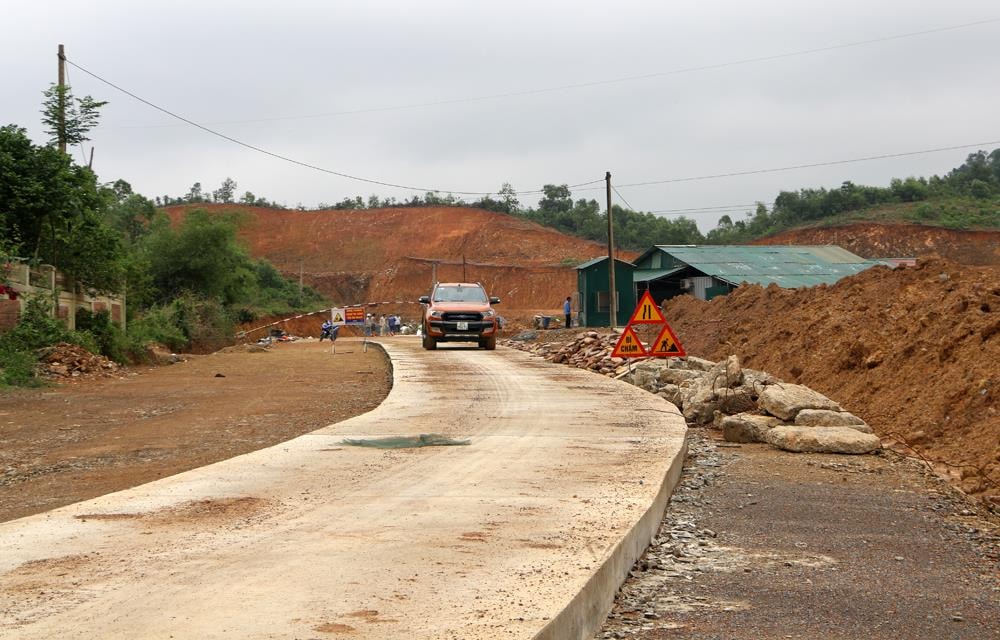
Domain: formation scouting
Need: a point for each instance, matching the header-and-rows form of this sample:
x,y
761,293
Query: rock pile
x,y
65,360
590,350
754,406
748,405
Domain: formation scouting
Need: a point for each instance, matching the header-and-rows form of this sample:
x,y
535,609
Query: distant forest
x,y
966,197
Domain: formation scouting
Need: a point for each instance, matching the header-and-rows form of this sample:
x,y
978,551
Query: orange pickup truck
x,y
459,312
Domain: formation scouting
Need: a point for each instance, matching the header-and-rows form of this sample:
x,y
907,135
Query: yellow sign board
x,y
647,312
629,346
666,344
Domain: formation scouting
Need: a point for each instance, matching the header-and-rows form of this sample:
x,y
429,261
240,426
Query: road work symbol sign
x,y
629,346
337,316
666,344
354,315
646,312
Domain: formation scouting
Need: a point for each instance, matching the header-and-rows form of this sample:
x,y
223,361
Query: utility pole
x,y
62,99
464,277
611,259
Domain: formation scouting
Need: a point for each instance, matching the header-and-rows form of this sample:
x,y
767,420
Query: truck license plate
x,y
462,326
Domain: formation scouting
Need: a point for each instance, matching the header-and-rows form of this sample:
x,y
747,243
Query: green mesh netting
x,y
406,442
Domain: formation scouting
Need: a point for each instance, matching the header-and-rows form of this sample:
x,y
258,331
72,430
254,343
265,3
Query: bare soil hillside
x,y
897,240
914,351
395,254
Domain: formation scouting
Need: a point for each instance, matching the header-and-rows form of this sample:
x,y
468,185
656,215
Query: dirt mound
x,y
65,360
879,240
915,352
389,255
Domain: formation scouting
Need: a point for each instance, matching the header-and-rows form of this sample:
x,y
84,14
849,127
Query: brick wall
x,y
10,310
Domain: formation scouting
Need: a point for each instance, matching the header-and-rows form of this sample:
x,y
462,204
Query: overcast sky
x,y
351,86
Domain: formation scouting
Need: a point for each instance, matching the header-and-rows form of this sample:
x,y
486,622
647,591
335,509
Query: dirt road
x,y
312,538
65,444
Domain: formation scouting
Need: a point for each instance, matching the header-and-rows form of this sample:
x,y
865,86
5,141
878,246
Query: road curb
x,y
587,611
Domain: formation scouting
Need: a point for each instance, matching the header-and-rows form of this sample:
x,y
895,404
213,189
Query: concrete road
x,y
526,532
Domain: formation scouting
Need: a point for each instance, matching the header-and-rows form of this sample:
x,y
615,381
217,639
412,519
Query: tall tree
x,y
68,119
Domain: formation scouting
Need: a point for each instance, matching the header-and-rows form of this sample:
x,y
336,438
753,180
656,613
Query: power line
x,y
804,166
292,160
615,189
597,83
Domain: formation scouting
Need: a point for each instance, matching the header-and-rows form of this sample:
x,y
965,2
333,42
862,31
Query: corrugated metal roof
x,y
786,266
590,263
645,275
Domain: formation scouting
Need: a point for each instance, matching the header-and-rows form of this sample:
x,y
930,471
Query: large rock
x,y
679,376
825,418
671,393
747,427
696,364
787,400
822,440
725,374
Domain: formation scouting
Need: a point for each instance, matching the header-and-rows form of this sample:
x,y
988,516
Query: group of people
x,y
383,325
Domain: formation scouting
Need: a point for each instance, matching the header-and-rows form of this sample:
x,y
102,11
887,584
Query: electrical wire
x,y
615,189
805,166
598,83
289,159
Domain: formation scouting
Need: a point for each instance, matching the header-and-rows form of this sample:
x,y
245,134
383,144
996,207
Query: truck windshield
x,y
460,294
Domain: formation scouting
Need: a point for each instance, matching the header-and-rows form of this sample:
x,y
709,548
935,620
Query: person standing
x,y
568,312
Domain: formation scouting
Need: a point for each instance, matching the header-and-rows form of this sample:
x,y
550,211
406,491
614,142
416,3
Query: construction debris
x,y
65,360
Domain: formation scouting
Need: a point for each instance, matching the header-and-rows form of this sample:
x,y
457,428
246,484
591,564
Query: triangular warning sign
x,y
629,346
666,344
646,312
338,318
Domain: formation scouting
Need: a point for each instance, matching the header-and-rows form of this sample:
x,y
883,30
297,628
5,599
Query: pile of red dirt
x,y
914,351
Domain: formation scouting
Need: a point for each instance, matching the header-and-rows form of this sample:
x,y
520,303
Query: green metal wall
x,y
594,278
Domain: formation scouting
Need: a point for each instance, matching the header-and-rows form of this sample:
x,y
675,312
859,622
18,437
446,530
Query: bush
x,y
108,337
18,367
156,325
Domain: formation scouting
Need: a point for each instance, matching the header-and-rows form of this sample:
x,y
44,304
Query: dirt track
x,y
60,445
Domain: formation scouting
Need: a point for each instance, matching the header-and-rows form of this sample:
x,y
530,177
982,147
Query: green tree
x,y
226,193
202,256
52,211
67,119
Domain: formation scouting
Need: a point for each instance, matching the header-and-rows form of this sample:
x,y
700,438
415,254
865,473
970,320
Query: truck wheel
x,y
429,343
489,344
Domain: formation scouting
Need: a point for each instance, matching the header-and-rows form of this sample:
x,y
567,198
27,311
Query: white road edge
x,y
526,533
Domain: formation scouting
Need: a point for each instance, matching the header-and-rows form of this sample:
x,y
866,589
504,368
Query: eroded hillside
x,y
898,240
393,254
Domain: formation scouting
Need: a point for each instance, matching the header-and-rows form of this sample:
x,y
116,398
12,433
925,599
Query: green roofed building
x,y
706,271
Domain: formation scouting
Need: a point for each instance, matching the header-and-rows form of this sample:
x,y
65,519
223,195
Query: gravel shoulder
x,y
759,543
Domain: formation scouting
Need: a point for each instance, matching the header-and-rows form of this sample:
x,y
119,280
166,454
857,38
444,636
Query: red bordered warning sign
x,y
646,312
629,346
666,344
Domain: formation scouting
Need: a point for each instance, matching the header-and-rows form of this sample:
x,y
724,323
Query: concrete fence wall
x,y
20,280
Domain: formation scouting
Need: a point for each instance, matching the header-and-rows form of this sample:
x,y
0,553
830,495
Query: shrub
x,y
108,337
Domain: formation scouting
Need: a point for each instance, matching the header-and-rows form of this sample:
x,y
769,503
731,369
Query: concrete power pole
x,y
62,99
611,259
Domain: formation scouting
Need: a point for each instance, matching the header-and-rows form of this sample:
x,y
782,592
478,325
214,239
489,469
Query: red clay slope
x,y
914,351
898,240
389,254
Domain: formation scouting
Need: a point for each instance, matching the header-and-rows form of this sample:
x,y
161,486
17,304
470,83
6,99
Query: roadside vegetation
x,y
187,286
